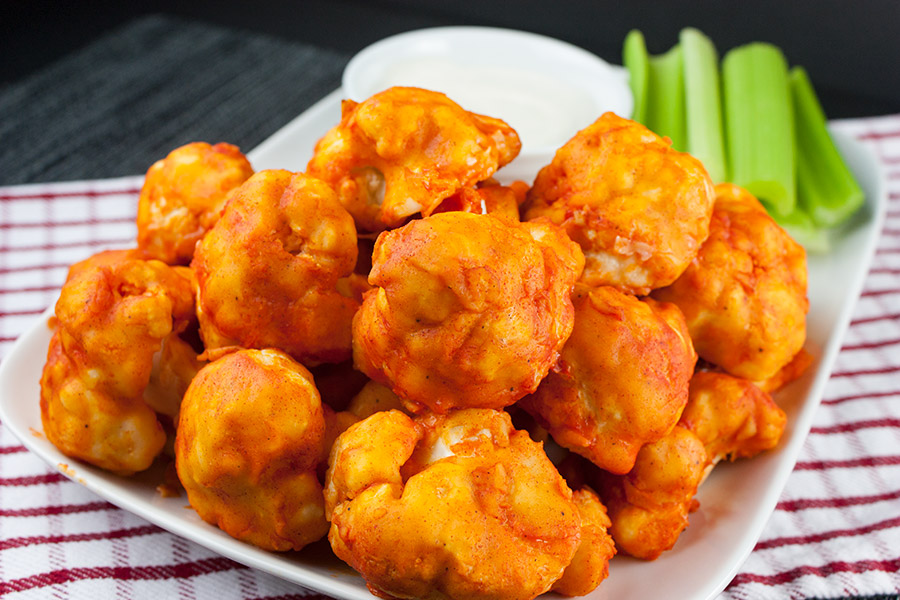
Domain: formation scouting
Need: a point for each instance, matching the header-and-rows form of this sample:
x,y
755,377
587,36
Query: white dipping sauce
x,y
544,111
546,89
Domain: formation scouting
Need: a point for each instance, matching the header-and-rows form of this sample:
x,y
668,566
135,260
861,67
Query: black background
x,y
850,49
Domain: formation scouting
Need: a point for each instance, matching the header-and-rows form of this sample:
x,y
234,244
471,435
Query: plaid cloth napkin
x,y
835,532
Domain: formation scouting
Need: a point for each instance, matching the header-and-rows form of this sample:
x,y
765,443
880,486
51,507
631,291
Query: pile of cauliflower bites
x,y
386,348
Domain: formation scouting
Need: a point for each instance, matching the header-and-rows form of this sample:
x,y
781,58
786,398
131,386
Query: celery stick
x,y
703,108
826,189
759,124
665,97
636,61
800,226
657,83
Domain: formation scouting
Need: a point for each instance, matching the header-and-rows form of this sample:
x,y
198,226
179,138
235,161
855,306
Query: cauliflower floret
x,y
468,310
638,208
744,297
268,271
404,150
250,438
622,379
183,196
590,565
458,505
725,417
115,316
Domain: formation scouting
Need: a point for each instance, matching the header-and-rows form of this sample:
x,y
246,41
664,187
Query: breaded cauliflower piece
x,y
249,440
726,417
649,506
788,373
732,417
174,366
468,310
638,208
183,196
372,398
404,150
113,316
449,506
267,272
744,297
622,378
590,565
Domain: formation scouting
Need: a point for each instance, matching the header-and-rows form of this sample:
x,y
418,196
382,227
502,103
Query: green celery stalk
x,y
826,189
759,124
637,63
703,107
665,97
801,227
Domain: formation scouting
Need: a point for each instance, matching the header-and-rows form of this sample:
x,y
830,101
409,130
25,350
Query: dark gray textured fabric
x,y
129,98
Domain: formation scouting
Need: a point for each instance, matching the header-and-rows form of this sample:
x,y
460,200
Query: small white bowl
x,y
546,89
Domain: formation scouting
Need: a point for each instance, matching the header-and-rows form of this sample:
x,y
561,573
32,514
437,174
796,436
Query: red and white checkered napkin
x,y
56,538
836,531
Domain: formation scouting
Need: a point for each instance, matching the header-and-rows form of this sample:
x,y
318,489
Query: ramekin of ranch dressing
x,y
546,89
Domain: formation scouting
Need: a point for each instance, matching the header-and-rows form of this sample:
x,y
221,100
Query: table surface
x,y
849,50
113,107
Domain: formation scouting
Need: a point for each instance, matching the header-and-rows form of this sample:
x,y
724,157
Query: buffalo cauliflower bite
x,y
404,150
744,297
649,506
267,272
450,506
107,369
788,373
372,398
726,417
638,208
622,378
174,366
732,417
467,311
183,196
250,436
590,565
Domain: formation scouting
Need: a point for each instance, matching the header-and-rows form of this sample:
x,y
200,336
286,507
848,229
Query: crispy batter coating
x,y
649,506
249,439
174,366
788,373
372,398
336,423
744,297
488,198
114,313
638,208
622,378
183,196
732,417
468,310
590,565
449,506
726,417
267,272
404,150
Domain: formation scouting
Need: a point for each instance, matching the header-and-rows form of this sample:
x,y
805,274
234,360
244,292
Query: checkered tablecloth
x,y
835,532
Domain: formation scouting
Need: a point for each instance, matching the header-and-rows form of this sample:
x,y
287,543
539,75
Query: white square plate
x,y
735,502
